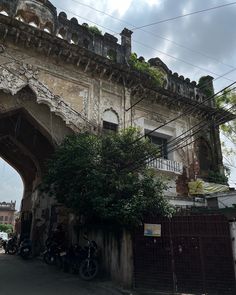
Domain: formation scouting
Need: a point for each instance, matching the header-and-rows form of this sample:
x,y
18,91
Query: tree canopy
x,y
106,178
228,129
7,228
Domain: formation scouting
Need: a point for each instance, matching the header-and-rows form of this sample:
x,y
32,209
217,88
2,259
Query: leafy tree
x,y
228,129
228,100
7,228
105,178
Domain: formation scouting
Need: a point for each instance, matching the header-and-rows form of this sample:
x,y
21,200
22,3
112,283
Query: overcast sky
x,y
207,41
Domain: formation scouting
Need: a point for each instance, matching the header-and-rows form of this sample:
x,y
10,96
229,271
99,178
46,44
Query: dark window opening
x,y
161,143
109,127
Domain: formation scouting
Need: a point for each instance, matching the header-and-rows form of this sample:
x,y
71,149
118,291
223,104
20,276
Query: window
x,y
108,126
33,24
3,12
162,145
110,121
1,218
6,218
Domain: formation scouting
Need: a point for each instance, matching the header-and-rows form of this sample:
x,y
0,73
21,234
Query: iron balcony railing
x,y
167,165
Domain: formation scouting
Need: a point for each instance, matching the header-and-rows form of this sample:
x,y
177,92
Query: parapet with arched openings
x,y
42,15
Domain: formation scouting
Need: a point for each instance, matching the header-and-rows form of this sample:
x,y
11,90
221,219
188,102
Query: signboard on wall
x,y
152,230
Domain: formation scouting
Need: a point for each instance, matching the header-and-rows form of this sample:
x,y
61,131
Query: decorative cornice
x,y
139,84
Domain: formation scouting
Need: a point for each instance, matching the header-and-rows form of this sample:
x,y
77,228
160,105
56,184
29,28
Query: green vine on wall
x,y
145,67
93,29
217,177
205,86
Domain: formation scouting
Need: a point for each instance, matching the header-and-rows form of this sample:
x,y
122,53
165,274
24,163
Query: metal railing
x,y
167,165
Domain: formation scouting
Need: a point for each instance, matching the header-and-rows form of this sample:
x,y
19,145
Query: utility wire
x,y
151,33
146,46
184,15
203,127
212,113
148,160
206,125
8,69
186,112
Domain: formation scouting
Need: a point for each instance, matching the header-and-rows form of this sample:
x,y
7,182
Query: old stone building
x,y
7,212
58,77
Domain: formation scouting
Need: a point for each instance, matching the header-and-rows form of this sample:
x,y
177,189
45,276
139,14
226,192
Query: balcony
x,y
167,165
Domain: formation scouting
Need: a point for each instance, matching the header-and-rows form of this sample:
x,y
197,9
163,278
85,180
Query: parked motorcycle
x,y
53,253
10,246
82,260
25,249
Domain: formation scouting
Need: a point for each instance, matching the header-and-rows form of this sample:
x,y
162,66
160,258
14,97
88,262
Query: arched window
x,y
61,34
20,18
47,30
33,24
74,39
111,54
3,12
110,121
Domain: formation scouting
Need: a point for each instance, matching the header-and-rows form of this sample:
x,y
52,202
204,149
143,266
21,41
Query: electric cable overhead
x,y
184,15
148,133
204,127
152,34
149,47
192,108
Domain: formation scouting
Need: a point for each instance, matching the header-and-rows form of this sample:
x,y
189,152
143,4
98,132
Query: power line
x,y
146,46
184,15
182,146
187,111
151,33
181,60
202,127
66,104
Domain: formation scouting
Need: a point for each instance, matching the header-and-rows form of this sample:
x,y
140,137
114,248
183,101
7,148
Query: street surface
x,y
33,277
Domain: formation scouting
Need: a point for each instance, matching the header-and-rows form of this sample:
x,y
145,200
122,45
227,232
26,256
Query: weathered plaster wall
x,y
116,254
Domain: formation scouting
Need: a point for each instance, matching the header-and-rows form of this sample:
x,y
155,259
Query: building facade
x,y
59,77
7,213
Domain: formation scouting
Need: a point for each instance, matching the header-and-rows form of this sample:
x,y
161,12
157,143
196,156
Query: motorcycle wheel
x,y
59,262
25,256
88,269
49,259
12,250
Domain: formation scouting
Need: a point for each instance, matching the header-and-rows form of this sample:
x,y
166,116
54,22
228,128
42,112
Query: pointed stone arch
x,y
14,79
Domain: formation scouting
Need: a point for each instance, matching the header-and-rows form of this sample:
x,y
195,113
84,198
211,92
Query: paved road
x,y
33,277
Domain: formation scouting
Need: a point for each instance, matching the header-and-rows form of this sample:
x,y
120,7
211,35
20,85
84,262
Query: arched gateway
x,y
32,122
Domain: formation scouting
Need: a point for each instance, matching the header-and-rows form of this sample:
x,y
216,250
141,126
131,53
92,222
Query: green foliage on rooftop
x,y
94,30
145,67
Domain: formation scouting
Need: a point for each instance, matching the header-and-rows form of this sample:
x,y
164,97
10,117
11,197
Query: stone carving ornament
x,y
17,76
